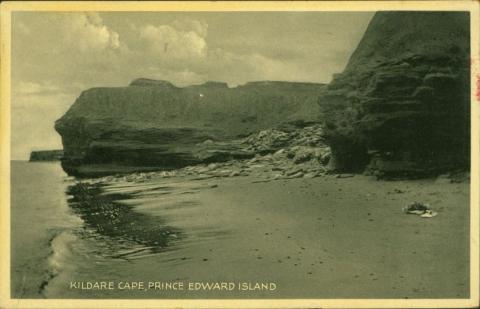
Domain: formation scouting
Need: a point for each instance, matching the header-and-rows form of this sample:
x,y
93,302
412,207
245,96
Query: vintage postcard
x,y
239,154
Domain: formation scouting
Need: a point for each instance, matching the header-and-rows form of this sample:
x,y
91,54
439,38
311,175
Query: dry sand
x,y
314,238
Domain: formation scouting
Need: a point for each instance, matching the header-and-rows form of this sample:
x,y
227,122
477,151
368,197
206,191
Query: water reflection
x,y
124,232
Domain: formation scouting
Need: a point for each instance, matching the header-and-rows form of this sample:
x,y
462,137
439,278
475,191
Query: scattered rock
x,y
212,166
279,153
310,175
292,160
293,172
421,209
208,142
345,175
296,175
303,154
277,176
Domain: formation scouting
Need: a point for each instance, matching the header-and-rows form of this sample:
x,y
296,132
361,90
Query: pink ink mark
x,y
478,88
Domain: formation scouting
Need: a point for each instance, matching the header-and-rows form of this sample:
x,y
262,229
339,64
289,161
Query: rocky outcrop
x,y
402,105
152,124
46,155
286,152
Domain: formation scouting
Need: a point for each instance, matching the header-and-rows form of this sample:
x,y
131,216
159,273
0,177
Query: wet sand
x,y
324,237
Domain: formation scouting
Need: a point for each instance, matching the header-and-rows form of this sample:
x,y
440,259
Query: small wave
x,y
61,253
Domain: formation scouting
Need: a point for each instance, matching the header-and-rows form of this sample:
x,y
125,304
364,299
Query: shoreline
x,y
322,237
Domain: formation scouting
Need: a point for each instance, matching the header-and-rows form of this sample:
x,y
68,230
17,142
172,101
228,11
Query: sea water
x,y
41,223
69,239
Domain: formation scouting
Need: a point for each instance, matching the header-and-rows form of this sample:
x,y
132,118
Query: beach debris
x,y
428,214
416,208
421,209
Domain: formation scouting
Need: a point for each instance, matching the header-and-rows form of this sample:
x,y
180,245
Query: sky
x,y
57,55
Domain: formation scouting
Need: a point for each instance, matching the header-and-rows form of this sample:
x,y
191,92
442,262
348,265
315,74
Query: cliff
x,y
401,107
155,125
46,155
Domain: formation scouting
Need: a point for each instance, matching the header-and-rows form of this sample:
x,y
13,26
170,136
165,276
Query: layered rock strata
x,y
152,124
401,107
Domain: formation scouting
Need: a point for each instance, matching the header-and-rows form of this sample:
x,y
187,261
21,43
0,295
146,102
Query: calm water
x,y
42,226
68,234
65,233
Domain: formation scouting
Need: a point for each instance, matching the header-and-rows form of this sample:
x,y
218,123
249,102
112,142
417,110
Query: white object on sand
x,y
429,214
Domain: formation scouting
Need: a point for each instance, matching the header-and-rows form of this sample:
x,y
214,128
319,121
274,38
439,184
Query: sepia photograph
x,y
259,155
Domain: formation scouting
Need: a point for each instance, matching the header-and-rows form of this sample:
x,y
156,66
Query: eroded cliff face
x,y
402,105
154,125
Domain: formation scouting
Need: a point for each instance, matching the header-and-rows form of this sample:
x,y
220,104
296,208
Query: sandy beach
x,y
344,238
325,237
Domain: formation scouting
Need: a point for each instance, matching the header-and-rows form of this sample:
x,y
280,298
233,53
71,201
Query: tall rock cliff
x,y
152,124
402,105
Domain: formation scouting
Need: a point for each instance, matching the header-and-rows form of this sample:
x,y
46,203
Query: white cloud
x,y
87,32
168,42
